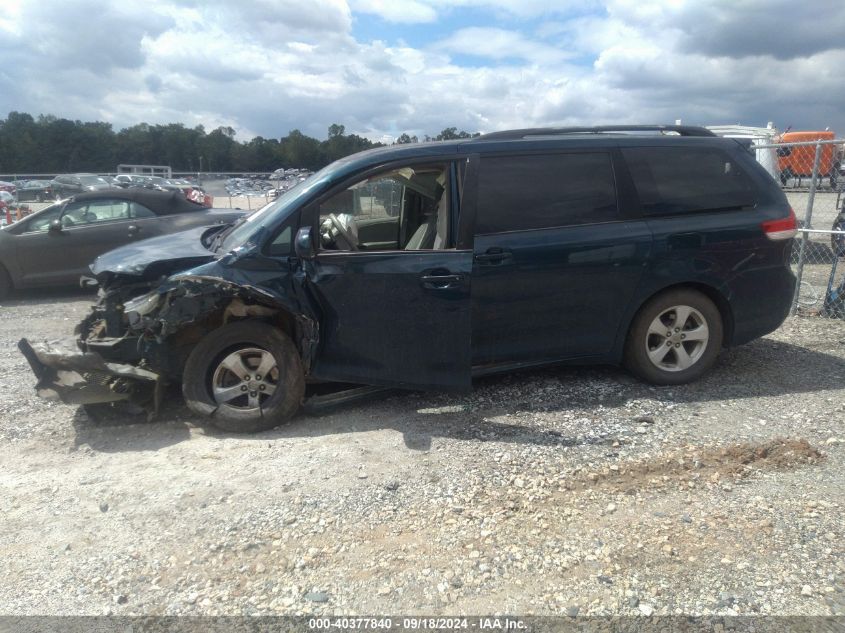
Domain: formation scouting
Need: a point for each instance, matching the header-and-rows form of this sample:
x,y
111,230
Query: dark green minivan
x,y
424,265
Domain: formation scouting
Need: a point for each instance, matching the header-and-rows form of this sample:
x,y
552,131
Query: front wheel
x,y
247,376
675,338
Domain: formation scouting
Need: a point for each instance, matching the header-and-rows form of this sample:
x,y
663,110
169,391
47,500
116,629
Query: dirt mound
x,y
701,464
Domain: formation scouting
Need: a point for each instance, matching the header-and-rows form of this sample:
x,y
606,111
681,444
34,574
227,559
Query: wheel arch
x,y
709,291
300,329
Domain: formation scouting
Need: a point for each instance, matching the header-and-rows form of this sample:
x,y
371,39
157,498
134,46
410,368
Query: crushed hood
x,y
154,257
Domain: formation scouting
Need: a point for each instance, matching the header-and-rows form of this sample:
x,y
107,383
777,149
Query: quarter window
x,y
541,191
673,180
139,211
281,244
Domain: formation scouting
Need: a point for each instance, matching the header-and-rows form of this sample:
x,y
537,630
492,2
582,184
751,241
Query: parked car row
x,y
64,185
248,186
154,182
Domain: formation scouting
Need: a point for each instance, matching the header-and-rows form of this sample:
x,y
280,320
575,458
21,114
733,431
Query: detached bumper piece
x,y
64,373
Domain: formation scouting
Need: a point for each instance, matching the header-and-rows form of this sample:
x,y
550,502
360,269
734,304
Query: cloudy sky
x,y
383,67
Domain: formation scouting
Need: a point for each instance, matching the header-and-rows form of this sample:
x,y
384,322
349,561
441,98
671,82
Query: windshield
x,y
253,225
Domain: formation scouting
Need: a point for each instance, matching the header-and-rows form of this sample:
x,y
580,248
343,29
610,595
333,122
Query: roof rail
x,y
682,130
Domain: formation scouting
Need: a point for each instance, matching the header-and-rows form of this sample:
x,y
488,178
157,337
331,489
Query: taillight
x,y
783,229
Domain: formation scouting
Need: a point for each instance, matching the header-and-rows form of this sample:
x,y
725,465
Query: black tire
x,y
245,340
684,358
6,286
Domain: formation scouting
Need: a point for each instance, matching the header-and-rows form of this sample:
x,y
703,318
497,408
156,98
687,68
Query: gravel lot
x,y
567,490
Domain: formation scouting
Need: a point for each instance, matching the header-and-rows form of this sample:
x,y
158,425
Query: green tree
x,y
299,150
50,144
451,134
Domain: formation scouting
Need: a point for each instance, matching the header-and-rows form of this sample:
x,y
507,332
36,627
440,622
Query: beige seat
x,y
433,232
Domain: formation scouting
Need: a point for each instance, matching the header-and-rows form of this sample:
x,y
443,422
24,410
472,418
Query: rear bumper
x,y
761,302
64,373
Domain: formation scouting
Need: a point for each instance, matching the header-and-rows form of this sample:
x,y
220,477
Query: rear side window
x,y
139,211
672,180
542,191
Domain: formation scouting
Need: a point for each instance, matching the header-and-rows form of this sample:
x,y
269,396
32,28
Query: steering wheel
x,y
347,236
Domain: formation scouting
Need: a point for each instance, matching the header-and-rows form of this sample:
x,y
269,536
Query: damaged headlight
x,y
142,305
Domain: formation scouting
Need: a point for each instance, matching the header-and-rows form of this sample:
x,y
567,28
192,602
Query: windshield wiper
x,y
217,241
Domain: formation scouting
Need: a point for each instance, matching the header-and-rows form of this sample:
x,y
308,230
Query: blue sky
x,y
383,67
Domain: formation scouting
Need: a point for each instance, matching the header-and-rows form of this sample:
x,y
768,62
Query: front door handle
x,y
132,228
440,282
495,256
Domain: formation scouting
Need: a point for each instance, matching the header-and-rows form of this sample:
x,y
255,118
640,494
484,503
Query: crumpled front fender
x,y
64,373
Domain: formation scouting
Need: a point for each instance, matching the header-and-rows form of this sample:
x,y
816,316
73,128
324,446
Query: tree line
x,y
48,144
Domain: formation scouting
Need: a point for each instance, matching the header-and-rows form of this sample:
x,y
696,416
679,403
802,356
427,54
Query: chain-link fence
x,y
812,177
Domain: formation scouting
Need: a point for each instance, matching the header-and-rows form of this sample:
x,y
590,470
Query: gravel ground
x,y
561,491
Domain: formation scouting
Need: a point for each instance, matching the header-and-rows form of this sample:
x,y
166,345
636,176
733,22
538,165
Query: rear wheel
x,y
246,376
675,338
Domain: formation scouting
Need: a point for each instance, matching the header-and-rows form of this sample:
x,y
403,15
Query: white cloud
x,y
267,66
409,11
500,44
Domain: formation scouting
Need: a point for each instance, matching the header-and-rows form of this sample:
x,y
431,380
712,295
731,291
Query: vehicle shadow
x,y
763,368
129,430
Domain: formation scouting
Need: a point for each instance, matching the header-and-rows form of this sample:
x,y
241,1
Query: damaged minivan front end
x,y
157,300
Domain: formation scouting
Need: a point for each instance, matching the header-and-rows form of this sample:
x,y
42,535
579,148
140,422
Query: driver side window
x,y
80,213
41,223
403,209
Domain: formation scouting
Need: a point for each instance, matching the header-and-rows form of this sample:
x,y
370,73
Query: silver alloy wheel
x,y
677,338
245,379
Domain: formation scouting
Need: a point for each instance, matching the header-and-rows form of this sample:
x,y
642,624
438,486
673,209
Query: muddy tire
x,y
246,377
6,285
675,338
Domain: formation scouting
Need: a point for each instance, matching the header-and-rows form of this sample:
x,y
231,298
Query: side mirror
x,y
303,245
56,226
